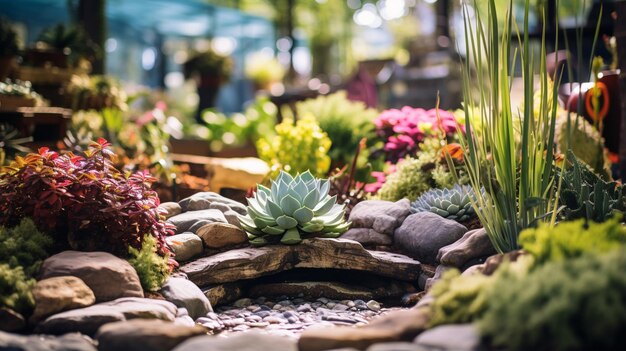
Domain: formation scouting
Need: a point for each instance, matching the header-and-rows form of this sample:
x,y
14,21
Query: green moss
x,y
572,239
577,304
152,269
15,289
24,246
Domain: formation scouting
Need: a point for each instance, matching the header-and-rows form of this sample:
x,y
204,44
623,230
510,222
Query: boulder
x,y
58,294
368,237
185,246
422,234
473,244
401,325
221,235
109,277
254,262
170,209
183,293
193,220
69,342
381,216
140,335
87,320
454,337
10,320
210,200
250,341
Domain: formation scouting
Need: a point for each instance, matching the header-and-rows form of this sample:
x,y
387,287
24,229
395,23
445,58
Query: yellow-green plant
x,y
518,176
152,269
296,148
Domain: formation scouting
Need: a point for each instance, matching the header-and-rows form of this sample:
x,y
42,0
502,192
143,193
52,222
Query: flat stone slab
x,y
250,263
332,290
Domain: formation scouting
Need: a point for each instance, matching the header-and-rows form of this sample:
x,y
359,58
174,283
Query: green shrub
x,y
152,269
578,304
24,246
15,289
572,239
296,148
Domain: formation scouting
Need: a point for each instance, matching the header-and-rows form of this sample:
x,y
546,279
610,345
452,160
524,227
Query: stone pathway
x,y
286,316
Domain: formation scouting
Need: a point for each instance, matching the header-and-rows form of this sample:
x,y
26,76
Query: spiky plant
x,y
454,204
293,207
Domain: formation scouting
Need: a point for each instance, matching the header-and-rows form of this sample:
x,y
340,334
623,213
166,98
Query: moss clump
x,y
152,269
24,246
578,304
15,289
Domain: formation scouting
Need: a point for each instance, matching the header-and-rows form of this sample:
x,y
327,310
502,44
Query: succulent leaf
x,y
289,204
286,222
454,204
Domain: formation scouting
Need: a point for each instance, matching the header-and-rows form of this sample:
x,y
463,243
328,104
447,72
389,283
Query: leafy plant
x,y
72,38
209,63
346,123
575,304
572,239
263,70
24,246
8,39
83,200
585,195
96,93
296,148
15,289
10,144
293,207
518,175
454,204
152,269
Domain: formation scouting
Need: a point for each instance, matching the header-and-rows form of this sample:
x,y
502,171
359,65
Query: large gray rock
x,y
250,341
109,277
368,237
221,235
58,294
207,200
185,246
183,293
69,342
141,335
87,320
254,262
381,216
454,337
170,209
474,244
421,235
192,221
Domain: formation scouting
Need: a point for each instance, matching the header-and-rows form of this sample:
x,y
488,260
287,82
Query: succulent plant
x,y
291,208
454,204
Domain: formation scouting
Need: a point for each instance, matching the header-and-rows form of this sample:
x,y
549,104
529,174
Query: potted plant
x,y
210,70
61,46
8,47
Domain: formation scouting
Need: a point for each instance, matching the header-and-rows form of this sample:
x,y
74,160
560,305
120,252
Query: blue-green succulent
x,y
454,204
291,208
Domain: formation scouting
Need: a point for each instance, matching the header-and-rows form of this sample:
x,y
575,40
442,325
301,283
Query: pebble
x,y
304,308
262,314
373,305
274,320
243,303
340,307
330,304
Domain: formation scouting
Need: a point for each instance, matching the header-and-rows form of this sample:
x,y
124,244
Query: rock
x,y
139,335
232,217
252,262
58,294
87,320
194,220
170,208
373,305
441,269
208,200
185,246
183,293
109,277
10,320
473,244
397,346
367,237
421,235
221,235
382,216
223,293
238,173
69,342
249,341
313,289
457,337
402,325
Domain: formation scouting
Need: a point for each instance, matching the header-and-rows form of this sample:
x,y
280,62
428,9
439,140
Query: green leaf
x,y
289,204
291,237
286,222
273,230
325,205
273,209
258,241
312,227
311,199
307,176
303,215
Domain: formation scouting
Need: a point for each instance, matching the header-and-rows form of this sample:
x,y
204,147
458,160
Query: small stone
x,y
182,312
262,314
293,319
212,315
350,304
330,304
336,318
274,320
54,295
170,209
248,341
241,327
304,308
373,305
221,235
285,303
340,307
253,318
277,307
257,324
185,245
184,321
323,300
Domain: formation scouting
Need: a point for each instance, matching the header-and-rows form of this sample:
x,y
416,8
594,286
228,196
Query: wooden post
x,y
91,15
620,36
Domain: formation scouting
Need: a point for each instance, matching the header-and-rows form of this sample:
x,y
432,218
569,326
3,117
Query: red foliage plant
x,y
85,198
